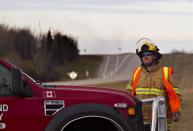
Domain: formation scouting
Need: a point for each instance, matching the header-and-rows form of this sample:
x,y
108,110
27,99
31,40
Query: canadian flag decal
x,y
49,94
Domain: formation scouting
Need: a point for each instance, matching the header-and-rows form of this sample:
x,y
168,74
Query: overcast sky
x,y
105,26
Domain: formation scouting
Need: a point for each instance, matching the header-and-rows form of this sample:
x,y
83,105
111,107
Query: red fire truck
x,y
26,105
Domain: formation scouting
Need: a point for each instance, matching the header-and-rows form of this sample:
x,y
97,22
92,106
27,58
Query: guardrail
x,y
159,118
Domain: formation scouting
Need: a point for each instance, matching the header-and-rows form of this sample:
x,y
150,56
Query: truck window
x,y
5,81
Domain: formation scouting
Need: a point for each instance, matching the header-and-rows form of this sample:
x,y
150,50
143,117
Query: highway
x,y
114,68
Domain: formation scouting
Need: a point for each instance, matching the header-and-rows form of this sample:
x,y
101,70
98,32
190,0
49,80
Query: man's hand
x,y
176,116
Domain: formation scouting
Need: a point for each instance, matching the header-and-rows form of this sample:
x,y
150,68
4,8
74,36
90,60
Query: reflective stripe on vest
x,y
149,91
167,72
171,94
129,87
136,72
169,126
177,91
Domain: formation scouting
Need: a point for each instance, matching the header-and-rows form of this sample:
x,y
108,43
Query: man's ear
x,y
155,57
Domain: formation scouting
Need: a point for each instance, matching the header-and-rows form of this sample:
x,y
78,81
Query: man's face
x,y
147,58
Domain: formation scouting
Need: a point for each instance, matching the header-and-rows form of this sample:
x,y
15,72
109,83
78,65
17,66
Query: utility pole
x,y
42,52
119,50
85,51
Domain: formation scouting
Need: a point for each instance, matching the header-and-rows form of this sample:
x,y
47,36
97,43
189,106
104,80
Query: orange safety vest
x,y
171,94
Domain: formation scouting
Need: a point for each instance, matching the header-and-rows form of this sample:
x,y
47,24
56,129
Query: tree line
x,y
45,51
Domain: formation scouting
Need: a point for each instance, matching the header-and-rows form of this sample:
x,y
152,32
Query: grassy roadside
x,y
183,65
88,63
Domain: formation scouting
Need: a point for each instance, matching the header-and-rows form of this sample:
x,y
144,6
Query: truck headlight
x,y
120,105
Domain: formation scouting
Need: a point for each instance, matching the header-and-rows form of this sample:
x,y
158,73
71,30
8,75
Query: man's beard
x,y
148,64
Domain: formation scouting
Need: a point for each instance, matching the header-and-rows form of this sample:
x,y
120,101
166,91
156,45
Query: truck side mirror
x,y
16,82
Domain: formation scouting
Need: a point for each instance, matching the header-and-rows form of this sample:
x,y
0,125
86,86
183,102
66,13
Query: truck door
x,y
16,112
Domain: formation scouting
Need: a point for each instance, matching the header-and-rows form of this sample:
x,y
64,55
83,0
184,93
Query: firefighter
x,y
151,80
